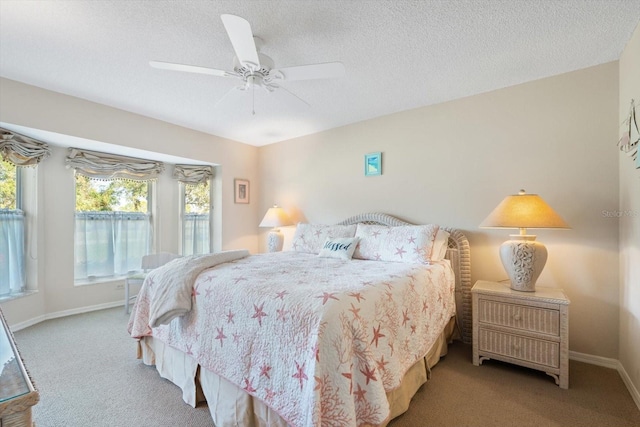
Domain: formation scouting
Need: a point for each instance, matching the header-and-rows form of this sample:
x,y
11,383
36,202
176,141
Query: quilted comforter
x,y
319,340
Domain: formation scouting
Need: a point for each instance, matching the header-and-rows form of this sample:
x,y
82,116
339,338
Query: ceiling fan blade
x,y
327,70
191,69
227,95
293,95
241,36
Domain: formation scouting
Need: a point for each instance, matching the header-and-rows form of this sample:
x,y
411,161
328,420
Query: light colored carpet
x,y
85,369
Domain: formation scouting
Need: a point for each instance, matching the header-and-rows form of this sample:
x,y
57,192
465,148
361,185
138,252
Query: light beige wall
x,y
33,107
453,163
630,223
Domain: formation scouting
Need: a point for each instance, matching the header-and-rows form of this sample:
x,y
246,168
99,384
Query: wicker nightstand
x,y
524,328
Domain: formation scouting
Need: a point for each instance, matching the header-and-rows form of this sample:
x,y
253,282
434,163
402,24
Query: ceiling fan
x,y
254,69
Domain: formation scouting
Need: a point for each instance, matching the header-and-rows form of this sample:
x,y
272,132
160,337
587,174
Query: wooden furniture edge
x,y
26,401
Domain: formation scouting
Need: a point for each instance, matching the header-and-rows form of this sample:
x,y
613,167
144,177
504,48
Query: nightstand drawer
x,y
532,350
533,319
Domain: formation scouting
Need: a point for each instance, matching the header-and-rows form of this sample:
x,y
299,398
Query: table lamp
x,y
275,217
522,256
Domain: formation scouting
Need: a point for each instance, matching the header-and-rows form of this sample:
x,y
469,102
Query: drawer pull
x,y
517,317
516,347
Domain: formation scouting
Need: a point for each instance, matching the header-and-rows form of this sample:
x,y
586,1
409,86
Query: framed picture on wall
x,y
241,190
373,164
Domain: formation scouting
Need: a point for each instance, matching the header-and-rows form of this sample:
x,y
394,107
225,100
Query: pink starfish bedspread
x,y
319,340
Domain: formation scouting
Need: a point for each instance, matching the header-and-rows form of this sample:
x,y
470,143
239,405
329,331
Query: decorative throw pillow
x,y
342,248
310,238
412,243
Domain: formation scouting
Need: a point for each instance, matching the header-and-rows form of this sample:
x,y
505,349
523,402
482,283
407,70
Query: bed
x,y
313,336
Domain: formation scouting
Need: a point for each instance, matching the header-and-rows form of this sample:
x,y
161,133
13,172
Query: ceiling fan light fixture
x,y
254,80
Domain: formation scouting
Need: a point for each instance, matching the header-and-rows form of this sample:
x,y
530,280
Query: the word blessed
x,y
335,246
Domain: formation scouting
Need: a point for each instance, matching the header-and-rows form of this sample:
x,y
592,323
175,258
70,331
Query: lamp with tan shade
x,y
522,256
275,217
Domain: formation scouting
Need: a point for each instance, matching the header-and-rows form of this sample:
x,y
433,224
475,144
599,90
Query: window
x,y
20,157
113,228
196,219
9,186
195,208
12,226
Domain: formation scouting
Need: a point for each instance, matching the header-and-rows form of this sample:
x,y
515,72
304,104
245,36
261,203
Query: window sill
x,y
99,281
17,295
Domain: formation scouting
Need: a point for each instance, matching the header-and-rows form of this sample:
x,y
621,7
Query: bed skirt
x,y
231,406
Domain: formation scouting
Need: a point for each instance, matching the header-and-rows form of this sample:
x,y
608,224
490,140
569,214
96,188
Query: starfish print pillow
x,y
412,243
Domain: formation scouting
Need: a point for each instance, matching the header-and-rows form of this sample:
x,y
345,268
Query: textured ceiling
x,y
398,55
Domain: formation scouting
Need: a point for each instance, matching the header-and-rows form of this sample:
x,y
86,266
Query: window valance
x,y
192,174
110,166
21,150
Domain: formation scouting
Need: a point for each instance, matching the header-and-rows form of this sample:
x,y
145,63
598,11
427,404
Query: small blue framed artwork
x,y
373,164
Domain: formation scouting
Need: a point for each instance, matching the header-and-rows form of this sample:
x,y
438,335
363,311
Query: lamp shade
x,y
523,211
275,217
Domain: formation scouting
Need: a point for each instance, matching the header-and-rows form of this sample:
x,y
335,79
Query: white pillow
x,y
413,243
342,247
310,238
440,245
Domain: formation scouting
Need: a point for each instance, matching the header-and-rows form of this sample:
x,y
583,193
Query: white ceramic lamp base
x,y
275,240
523,259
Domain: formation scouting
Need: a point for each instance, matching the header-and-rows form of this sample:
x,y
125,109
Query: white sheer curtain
x,y
196,234
110,244
12,266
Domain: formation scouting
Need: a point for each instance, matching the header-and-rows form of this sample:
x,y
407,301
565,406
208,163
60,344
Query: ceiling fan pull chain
x,y
253,100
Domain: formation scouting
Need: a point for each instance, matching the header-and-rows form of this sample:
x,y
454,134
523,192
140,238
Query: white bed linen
x,y
231,406
319,340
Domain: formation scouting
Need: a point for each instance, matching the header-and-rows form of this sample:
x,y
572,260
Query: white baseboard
x,y
635,394
612,364
18,326
594,360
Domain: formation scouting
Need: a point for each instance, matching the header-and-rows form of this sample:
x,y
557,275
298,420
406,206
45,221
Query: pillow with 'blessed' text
x,y
341,248
310,238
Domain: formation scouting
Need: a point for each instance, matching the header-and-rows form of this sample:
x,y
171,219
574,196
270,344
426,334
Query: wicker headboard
x,y
458,254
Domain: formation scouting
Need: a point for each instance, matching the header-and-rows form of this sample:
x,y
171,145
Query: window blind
x,y
112,166
192,174
21,150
